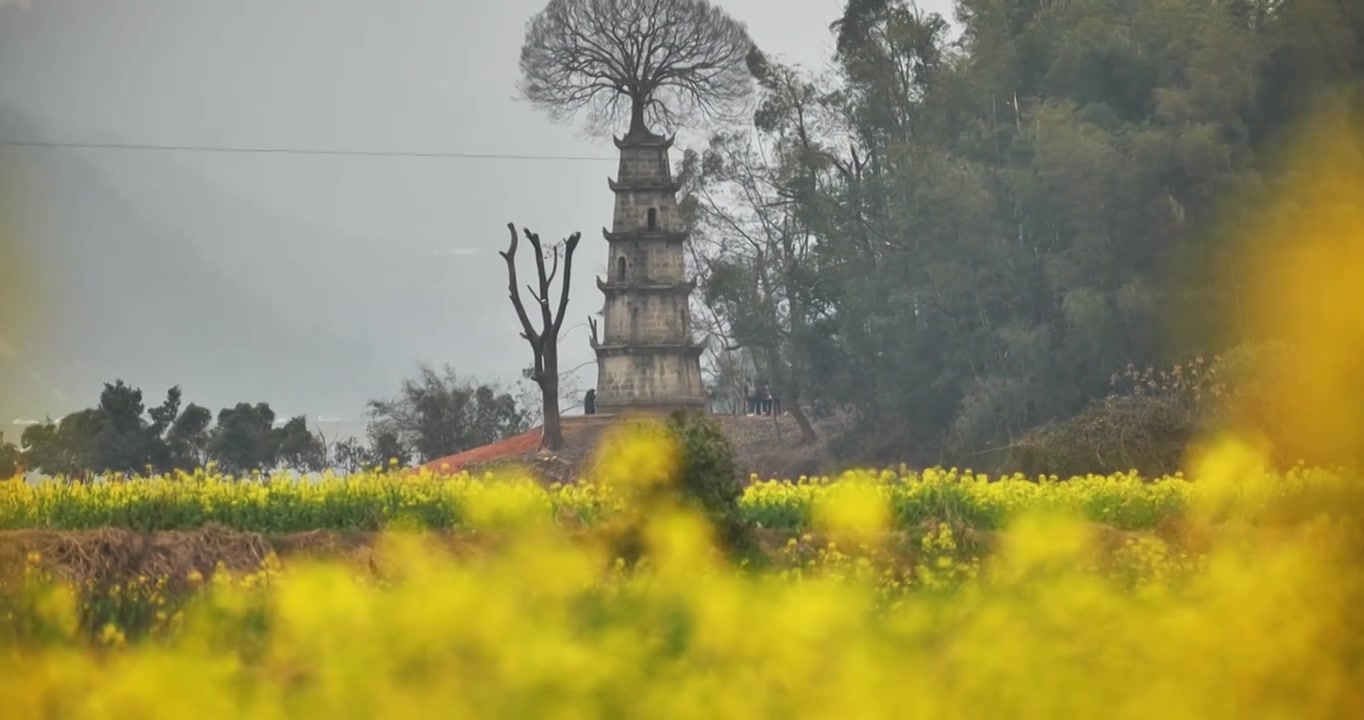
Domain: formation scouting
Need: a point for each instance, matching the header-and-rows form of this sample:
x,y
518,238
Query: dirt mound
x,y
581,436
526,442
769,447
1146,433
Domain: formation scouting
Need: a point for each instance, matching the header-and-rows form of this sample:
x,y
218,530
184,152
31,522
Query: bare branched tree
x,y
658,62
544,343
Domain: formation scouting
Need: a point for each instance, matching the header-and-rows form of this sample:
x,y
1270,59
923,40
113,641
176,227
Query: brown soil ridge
x,y
106,556
109,556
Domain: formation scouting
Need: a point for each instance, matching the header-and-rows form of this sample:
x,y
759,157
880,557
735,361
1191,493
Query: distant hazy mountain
x,y
113,293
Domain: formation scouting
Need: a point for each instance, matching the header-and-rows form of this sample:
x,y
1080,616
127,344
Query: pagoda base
x,y
658,380
655,408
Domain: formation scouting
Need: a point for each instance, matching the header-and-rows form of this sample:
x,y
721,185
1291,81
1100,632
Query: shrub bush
x,y
700,474
708,479
709,476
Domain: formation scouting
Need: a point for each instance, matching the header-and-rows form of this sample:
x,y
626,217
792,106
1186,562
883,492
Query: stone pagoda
x,y
647,361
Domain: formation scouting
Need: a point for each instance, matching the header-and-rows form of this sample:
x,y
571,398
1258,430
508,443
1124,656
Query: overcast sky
x,y
311,282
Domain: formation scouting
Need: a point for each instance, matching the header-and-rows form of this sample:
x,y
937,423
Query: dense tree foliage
x,y
440,414
963,233
9,458
122,435
433,416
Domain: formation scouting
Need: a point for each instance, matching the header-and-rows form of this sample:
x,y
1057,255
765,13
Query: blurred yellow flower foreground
x,y
1249,620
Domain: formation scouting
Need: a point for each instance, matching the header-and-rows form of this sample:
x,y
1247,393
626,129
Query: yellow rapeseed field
x,y
1259,620
373,501
370,501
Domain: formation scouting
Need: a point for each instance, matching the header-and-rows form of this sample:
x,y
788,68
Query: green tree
x,y
996,224
385,448
244,439
122,435
10,458
118,436
188,438
440,414
38,445
122,440
298,448
756,254
65,448
1310,47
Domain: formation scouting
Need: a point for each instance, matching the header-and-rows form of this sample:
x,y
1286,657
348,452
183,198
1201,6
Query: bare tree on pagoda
x,y
659,63
544,342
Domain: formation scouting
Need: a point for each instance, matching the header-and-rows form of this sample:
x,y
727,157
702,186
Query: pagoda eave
x,y
647,140
676,236
613,286
663,187
619,349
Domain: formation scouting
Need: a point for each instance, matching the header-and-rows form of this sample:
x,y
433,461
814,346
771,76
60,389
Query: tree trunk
x,y
793,291
807,431
637,127
553,434
785,387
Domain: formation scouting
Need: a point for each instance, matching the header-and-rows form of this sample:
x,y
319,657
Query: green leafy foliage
x,y
435,415
962,238
709,478
438,414
9,458
122,435
243,439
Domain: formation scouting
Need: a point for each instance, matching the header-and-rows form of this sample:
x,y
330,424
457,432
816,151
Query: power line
x,y
299,151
